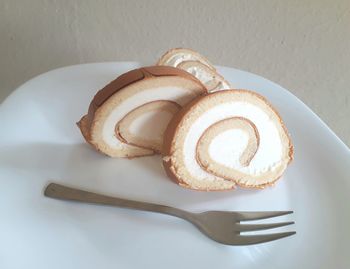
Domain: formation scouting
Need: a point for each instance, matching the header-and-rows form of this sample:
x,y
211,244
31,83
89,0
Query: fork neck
x,y
174,212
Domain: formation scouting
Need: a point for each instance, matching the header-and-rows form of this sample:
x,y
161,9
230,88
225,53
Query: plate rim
x,y
137,63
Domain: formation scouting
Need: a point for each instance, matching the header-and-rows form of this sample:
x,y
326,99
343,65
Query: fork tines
x,y
260,238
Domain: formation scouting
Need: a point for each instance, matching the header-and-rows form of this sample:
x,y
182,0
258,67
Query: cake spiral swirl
x,y
128,117
226,138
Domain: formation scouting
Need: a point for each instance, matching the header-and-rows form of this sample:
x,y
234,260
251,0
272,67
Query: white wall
x,y
304,45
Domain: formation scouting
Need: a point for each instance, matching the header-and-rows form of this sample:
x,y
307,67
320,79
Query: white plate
x,y
39,143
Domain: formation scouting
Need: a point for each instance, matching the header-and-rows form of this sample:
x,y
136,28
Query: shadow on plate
x,y
80,166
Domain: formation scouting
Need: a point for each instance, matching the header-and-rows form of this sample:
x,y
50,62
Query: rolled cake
x,y
209,77
197,65
128,117
176,56
226,138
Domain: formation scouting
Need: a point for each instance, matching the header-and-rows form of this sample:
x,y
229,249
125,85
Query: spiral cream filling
x,y
267,157
176,56
233,135
128,116
146,127
209,77
236,130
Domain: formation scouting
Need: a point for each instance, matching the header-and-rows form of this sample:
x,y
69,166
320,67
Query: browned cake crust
x,y
173,133
152,75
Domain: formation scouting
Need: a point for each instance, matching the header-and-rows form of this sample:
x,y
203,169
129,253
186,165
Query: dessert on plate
x,y
208,76
197,65
211,137
174,57
226,138
127,118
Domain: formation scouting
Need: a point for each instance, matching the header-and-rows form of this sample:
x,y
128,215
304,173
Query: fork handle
x,y
58,191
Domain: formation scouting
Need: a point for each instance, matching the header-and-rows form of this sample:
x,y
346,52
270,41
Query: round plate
x,y
40,143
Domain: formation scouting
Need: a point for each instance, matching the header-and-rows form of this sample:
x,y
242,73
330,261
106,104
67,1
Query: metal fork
x,y
222,226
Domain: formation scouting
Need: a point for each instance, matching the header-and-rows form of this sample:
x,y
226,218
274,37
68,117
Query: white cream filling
x,y
178,58
151,125
227,147
202,75
176,94
207,78
222,86
270,149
